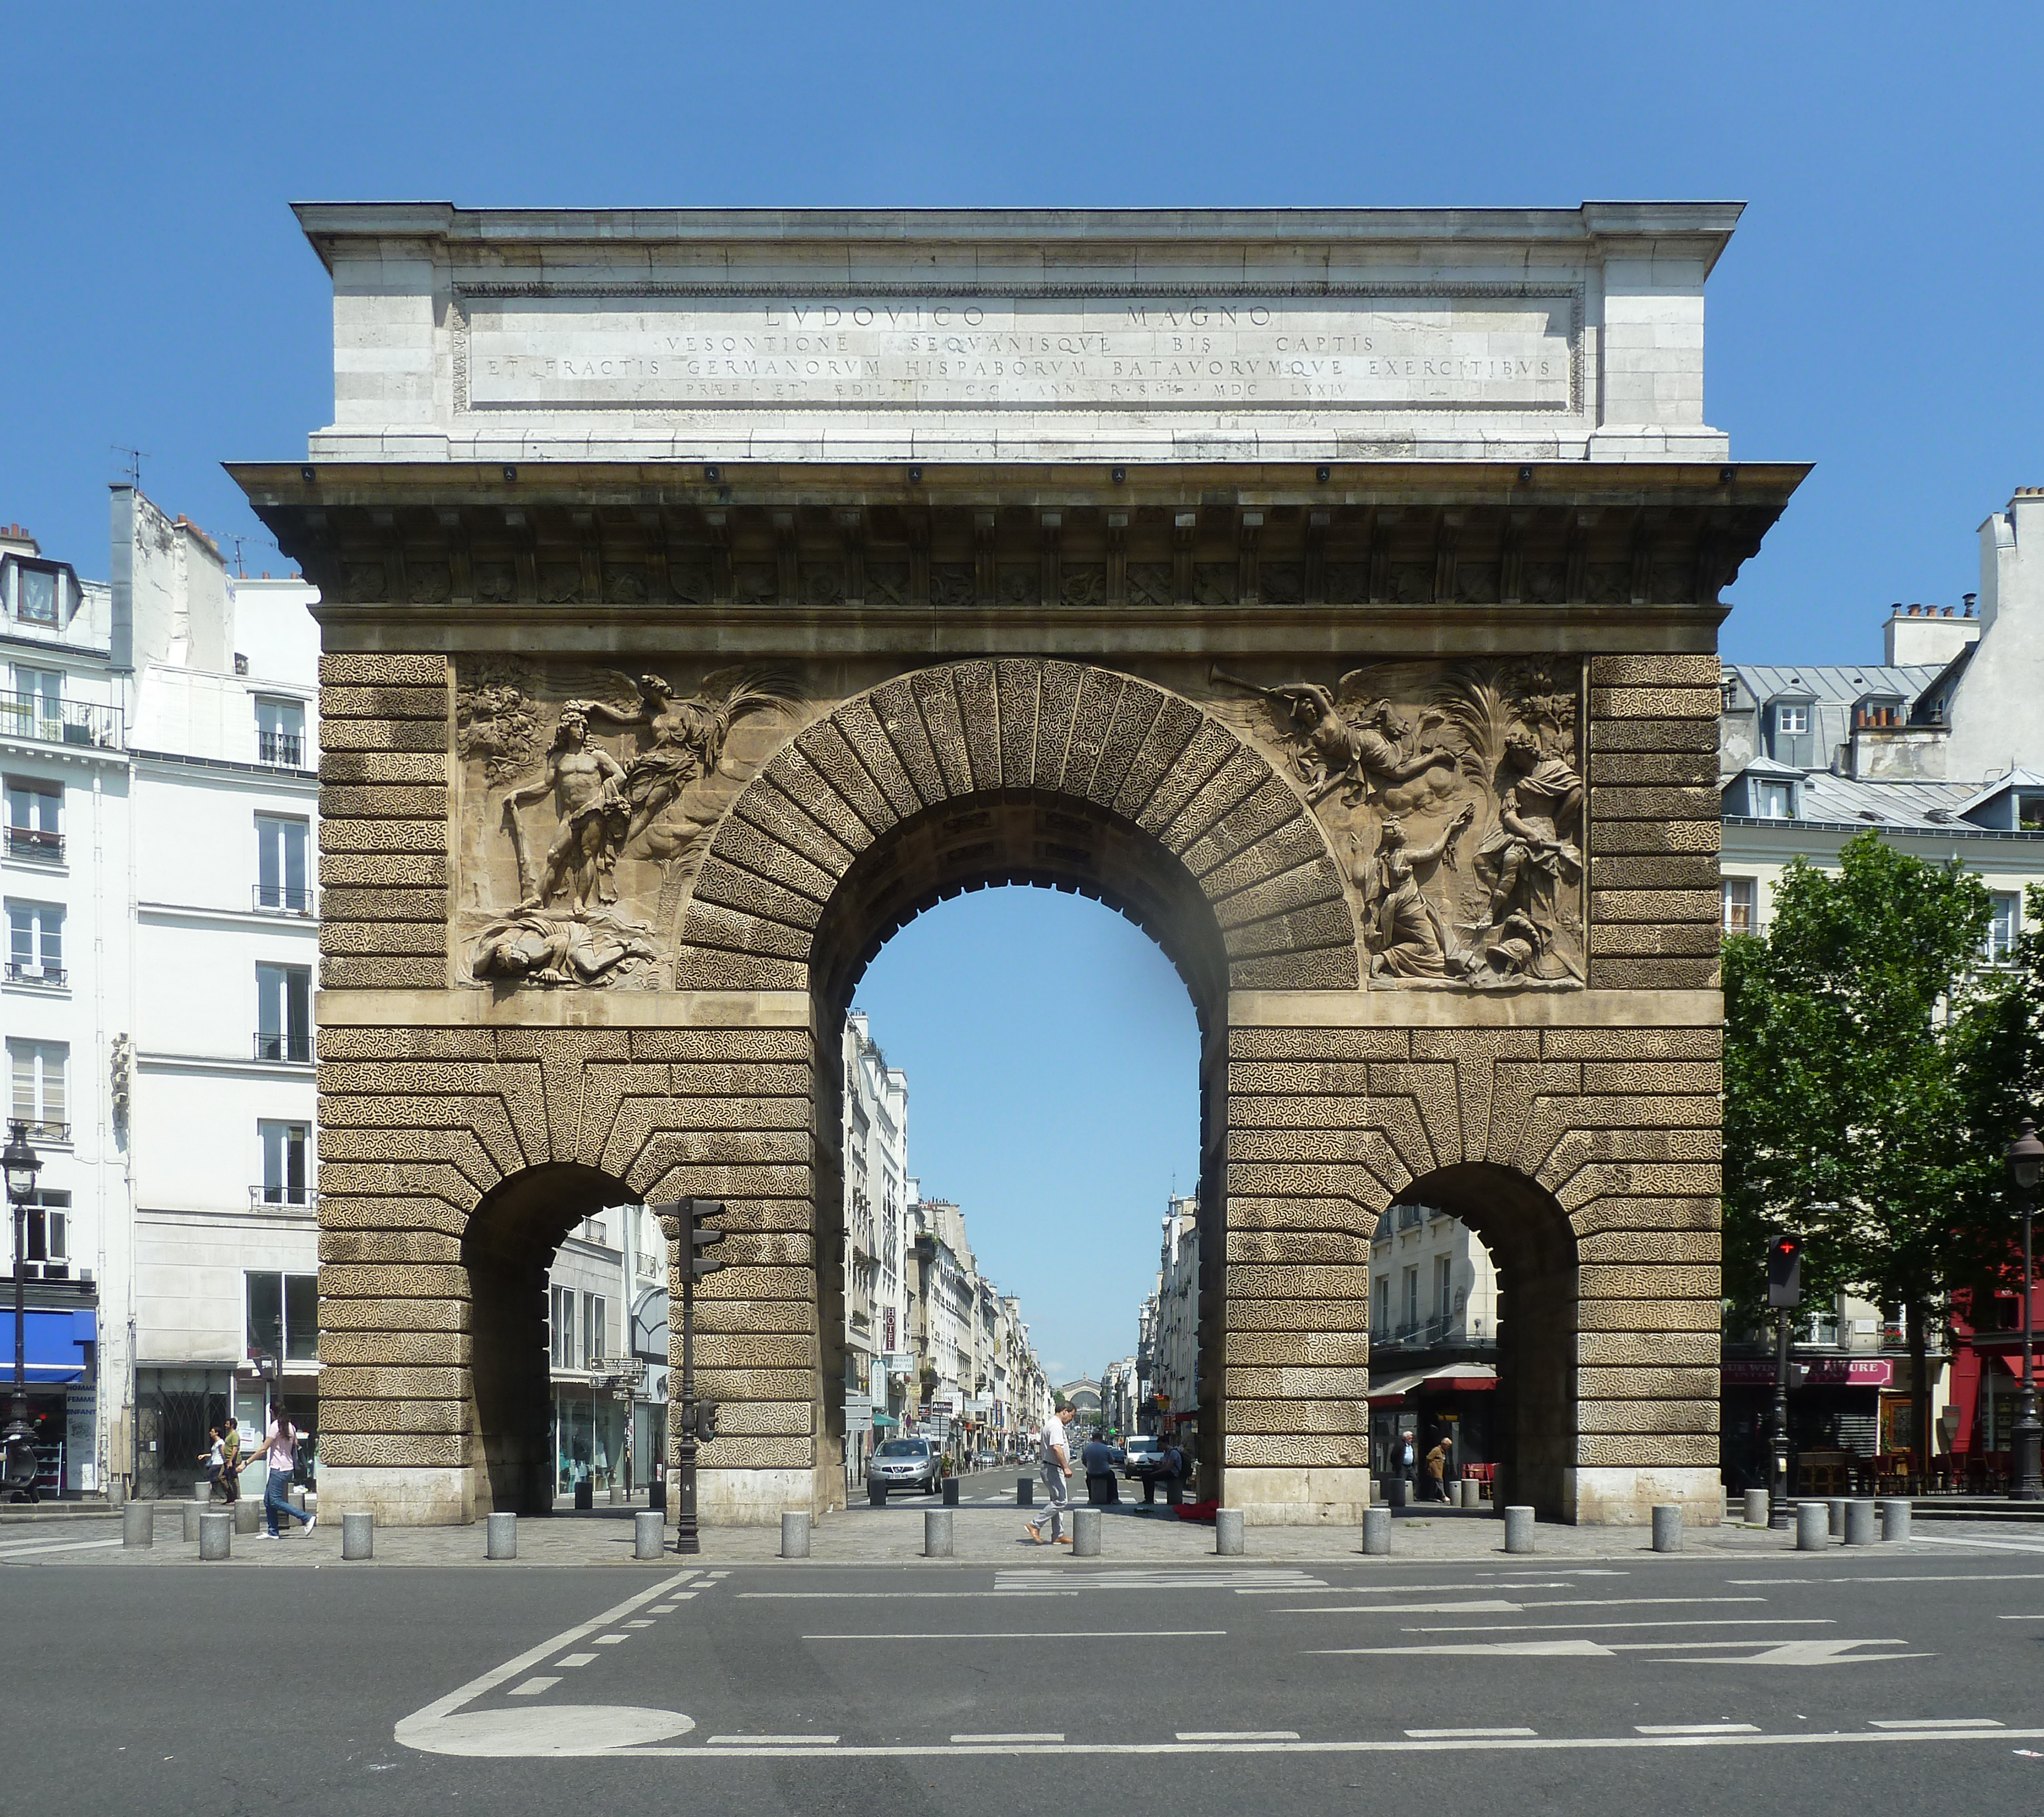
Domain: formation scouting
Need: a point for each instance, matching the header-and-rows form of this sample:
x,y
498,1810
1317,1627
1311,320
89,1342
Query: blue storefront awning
x,y
55,1341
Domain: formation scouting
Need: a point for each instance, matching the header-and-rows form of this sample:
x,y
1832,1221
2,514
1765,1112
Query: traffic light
x,y
1784,1273
706,1411
697,1235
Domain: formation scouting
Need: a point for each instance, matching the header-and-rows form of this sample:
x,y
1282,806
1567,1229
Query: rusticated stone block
x,y
766,1418
1655,1451
734,931
383,734
1648,1384
752,1284
1300,1214
1296,1451
378,1417
1666,973
1246,1417
1294,1314
381,1045
1694,735
1617,1350
1614,1416
1654,1044
1649,871
1655,670
382,767
751,1453
372,904
384,870
1296,1247
1622,804
1304,1350
1295,1383
1693,1213
1674,1076
345,1211
1635,768
707,1182
356,939
732,1350
1597,1314
383,703
1659,1247
417,801
765,1317
1688,939
756,1384
377,1312
381,1349
708,969
414,1280
388,1246
1607,906
381,668
1319,1281
388,1383
1254,1181
1653,836
1320,1046
719,1046
424,836
391,1450
1654,703
755,1080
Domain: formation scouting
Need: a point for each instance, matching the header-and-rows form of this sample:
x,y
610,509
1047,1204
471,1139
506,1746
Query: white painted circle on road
x,y
547,1729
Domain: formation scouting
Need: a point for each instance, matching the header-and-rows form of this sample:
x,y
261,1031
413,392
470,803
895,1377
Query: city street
x,y
1907,1675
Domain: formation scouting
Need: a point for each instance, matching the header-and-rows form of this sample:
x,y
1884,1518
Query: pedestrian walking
x,y
213,1456
230,1463
1405,1459
1054,1465
280,1451
1437,1468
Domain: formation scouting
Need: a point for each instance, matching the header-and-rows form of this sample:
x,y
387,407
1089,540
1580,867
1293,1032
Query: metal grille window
x,y
36,1070
35,943
281,845
284,1316
280,732
286,1148
283,1012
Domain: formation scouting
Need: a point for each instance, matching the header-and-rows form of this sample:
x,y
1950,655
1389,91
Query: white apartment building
x,y
875,1148
607,1339
1173,1322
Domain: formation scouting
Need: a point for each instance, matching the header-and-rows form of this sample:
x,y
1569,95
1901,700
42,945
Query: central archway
x,y
1054,775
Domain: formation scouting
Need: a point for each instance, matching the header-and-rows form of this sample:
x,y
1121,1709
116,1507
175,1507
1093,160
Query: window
x,y
1412,1297
35,709
2004,927
47,1223
595,1330
285,1146
561,1328
1774,800
37,1071
1381,1323
284,1316
1444,1286
40,586
1738,894
280,865
35,943
1791,719
280,732
33,809
283,1012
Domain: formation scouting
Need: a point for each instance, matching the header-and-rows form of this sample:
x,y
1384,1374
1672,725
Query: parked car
x,y
913,1464
1144,1452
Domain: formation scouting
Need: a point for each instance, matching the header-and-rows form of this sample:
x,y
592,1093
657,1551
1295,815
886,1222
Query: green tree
x,y
1874,1073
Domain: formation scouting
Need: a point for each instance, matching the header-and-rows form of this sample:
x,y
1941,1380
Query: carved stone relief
x,y
587,798
1455,792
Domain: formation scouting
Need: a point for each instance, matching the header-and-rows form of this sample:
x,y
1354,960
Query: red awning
x,y
2012,1362
1461,1384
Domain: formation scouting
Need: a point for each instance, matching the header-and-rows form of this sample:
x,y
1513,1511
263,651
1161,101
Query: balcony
x,y
275,899
33,1130
59,722
293,1050
285,749
35,845
50,978
283,1198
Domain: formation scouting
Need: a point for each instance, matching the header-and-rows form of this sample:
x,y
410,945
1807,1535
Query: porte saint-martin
x,y
706,594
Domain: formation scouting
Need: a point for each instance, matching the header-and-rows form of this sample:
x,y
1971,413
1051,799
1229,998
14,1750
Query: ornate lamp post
x,y
2026,1159
22,1164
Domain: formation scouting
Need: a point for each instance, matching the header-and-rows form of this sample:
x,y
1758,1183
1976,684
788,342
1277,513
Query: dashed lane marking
x,y
1032,1634
532,1687
771,1741
889,1596
1920,1722
1697,1728
981,1741
1909,1577
1467,1735
575,1659
1601,1627
1238,1734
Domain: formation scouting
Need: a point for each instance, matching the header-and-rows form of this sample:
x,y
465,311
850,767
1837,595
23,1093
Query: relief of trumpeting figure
x,y
1350,751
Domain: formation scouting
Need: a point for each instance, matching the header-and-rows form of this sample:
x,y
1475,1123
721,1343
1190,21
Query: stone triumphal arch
x,y
707,594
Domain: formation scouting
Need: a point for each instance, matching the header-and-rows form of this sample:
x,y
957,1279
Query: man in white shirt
x,y
1055,1457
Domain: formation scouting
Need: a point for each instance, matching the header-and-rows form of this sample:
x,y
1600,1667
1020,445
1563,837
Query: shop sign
x,y
1817,1371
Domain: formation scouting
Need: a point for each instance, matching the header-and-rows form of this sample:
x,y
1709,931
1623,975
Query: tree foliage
x,y
1874,1072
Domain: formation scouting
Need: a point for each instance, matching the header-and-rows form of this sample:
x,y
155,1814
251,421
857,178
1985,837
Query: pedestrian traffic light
x,y
706,1412
1784,1273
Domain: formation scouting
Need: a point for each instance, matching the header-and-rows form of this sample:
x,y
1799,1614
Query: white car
x,y
1143,1456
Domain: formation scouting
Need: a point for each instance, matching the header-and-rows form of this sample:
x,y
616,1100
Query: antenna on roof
x,y
132,465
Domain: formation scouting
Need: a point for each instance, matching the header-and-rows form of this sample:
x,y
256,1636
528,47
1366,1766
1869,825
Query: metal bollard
x,y
1859,1523
1834,1517
1398,1493
358,1535
1668,1526
500,1536
216,1536
1085,1533
1519,1530
138,1523
647,1537
1228,1532
1812,1526
1755,1511
1025,1492
876,1492
193,1511
1895,1513
950,1492
248,1515
1377,1532
936,1533
795,1534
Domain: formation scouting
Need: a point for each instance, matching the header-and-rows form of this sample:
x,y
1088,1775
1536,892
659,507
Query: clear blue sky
x,y
1878,312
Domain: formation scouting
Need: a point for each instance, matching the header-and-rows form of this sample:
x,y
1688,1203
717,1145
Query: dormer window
x,y
1773,800
1791,719
41,584
1790,728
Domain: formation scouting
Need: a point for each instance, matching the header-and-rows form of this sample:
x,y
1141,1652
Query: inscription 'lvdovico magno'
x,y
1467,353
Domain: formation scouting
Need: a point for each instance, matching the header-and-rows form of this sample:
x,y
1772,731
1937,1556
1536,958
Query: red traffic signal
x,y
1784,1273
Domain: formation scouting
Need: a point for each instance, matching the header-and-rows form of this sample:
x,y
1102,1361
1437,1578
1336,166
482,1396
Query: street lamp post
x,y
2026,1158
22,1165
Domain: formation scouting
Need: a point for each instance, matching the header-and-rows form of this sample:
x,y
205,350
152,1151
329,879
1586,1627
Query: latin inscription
x,y
1508,353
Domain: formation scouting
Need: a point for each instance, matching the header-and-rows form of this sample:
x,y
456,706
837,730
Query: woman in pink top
x,y
280,1452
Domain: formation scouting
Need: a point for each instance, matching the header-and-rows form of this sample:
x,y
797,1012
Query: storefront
x,y
1843,1405
1454,1402
588,1438
62,1345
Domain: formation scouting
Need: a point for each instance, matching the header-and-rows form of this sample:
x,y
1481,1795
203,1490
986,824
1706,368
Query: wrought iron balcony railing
x,y
59,722
275,899
297,1049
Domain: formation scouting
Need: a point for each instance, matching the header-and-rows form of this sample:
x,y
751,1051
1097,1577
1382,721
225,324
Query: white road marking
x,y
612,1639
889,1595
684,1596
663,1609
1909,1577
1940,1722
1165,1578
1466,1735
575,1659
1718,1621
21,1549
1047,1736
1697,1728
1495,1649
532,1687
1491,1607
1238,1734
1983,1545
1032,1634
1504,1608
1815,1653
771,1741
638,1624
2022,1618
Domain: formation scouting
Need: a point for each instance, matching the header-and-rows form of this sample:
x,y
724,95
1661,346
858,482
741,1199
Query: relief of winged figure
x,y
1367,748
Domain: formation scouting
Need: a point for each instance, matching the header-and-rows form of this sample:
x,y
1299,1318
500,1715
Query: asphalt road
x,y
1670,1685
